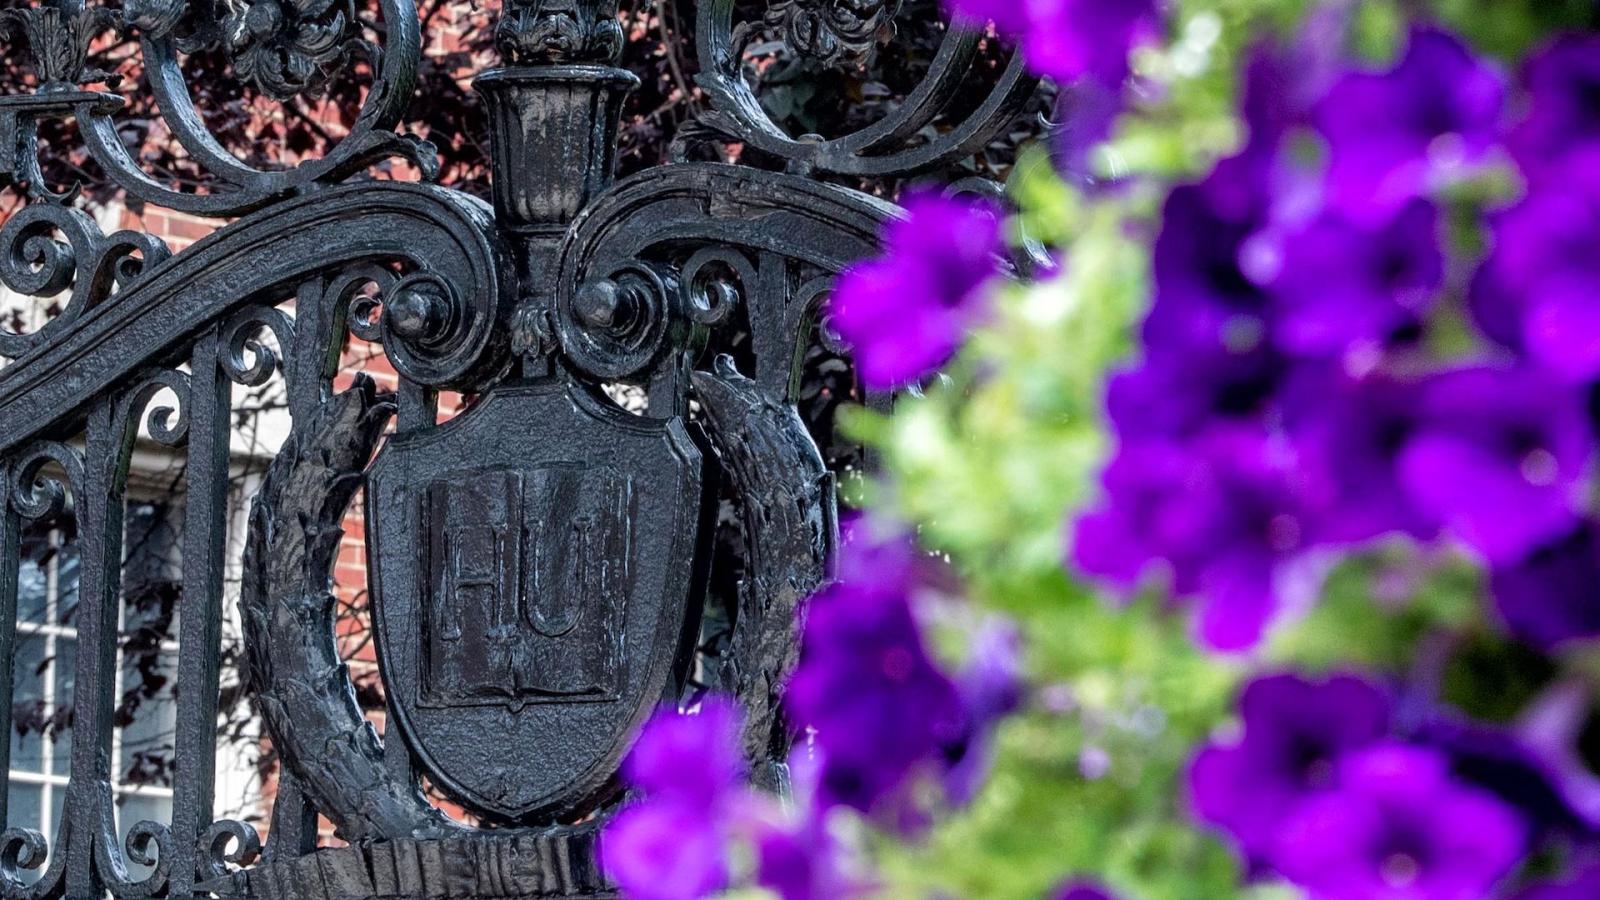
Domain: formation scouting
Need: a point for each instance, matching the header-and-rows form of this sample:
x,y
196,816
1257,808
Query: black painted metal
x,y
539,564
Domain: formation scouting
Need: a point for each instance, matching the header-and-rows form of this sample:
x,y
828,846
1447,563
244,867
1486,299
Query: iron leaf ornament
x,y
631,509
58,39
834,31
286,48
558,31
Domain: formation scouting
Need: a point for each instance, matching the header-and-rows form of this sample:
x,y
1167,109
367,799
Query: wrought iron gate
x,y
538,564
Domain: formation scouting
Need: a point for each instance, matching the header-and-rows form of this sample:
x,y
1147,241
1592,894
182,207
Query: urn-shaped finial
x,y
553,139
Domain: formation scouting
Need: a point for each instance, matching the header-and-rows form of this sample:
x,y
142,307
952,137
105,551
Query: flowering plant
x,y
1252,548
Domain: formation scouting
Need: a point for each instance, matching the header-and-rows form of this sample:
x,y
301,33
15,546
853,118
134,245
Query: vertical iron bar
x,y
418,407
99,513
772,347
205,524
10,566
313,339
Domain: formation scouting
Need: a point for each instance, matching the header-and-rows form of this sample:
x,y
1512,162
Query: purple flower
x,y
1205,300
1498,456
1069,39
907,311
1295,731
672,845
882,711
1340,285
1208,354
1398,826
1084,115
665,851
1524,775
1539,290
1553,595
1558,141
1392,134
1219,514
692,759
803,861
1347,435
1174,395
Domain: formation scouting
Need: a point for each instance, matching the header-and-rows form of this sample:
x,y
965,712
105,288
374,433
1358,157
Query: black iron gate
x,y
538,564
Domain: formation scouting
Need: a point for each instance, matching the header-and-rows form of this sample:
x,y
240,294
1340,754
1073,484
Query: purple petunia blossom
x,y
882,711
1339,285
1069,39
1173,396
1399,827
1513,764
1347,435
1295,731
1205,299
906,312
1219,514
672,845
1558,142
665,852
1208,354
1539,290
1392,135
1553,595
689,758
1498,456
802,861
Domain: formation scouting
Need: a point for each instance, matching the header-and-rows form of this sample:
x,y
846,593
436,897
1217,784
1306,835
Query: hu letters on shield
x,y
526,580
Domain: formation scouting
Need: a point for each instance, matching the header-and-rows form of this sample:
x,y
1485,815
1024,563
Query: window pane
x,y
67,569
31,586
63,667
28,711
24,805
146,741
151,573
151,581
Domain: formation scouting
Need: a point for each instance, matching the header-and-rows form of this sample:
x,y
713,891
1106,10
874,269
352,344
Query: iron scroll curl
x,y
889,147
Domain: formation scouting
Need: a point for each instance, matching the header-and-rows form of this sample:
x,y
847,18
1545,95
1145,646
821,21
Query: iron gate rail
x,y
538,564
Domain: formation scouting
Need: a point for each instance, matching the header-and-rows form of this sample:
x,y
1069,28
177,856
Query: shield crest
x,y
533,567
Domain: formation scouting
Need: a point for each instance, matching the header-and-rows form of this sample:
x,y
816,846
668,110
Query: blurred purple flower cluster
x,y
674,842
1293,400
1318,790
891,735
906,312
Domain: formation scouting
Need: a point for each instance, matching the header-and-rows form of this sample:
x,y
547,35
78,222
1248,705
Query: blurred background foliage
x,y
991,462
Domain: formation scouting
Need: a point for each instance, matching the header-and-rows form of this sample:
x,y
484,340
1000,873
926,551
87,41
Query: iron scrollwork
x,y
284,48
49,250
540,566
833,31
895,145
